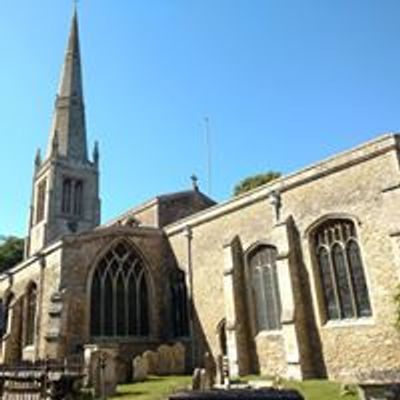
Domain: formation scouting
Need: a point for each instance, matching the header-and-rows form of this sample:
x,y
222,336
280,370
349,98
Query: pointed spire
x,y
69,113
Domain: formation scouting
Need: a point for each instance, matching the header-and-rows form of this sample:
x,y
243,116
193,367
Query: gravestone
x,y
151,358
140,369
101,369
178,359
165,360
196,379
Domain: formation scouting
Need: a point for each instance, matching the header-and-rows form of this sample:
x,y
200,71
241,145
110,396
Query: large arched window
x,y
179,306
30,314
120,294
264,282
341,271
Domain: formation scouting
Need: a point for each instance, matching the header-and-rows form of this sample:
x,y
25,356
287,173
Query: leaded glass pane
x,y
120,298
108,301
327,284
343,282
264,278
143,310
31,315
133,325
358,279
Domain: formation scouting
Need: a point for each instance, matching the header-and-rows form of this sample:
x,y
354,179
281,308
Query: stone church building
x,y
295,278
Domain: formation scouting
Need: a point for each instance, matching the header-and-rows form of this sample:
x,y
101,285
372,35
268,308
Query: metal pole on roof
x,y
208,149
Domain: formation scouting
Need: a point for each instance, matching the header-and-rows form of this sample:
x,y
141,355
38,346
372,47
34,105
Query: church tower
x,y
65,195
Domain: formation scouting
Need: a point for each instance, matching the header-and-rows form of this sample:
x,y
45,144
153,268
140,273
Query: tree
x,y
11,252
251,182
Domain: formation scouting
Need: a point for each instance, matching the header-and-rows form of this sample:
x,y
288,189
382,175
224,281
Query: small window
x,y
30,315
265,289
41,201
78,198
341,270
179,306
66,196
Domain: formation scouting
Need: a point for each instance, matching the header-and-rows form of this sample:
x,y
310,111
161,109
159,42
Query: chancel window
x,y
40,201
30,314
72,197
265,289
342,277
120,294
179,306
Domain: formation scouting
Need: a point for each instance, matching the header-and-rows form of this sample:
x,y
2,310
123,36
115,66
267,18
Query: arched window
x,y
120,294
264,282
6,305
78,198
30,315
66,196
341,271
41,201
179,306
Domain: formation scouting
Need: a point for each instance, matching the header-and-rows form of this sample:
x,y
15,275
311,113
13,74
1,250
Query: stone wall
x,y
362,184
44,271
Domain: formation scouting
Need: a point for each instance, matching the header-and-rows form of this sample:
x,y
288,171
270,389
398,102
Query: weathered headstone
x,y
152,360
178,359
140,369
196,379
165,360
209,371
101,367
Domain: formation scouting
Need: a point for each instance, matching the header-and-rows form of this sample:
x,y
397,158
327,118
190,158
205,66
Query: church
x,y
296,278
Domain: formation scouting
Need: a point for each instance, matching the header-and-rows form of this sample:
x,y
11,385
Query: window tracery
x,y
265,289
120,294
341,270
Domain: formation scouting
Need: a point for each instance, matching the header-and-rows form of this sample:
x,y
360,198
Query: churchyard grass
x,y
154,388
322,390
158,388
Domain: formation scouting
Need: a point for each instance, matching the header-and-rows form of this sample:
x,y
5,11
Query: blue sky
x,y
284,83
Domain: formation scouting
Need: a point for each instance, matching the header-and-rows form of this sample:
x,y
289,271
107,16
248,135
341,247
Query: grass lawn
x,y
158,388
321,390
155,388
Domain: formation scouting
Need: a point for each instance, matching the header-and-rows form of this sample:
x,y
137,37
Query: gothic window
x,y
78,198
72,197
40,201
30,314
341,270
265,289
179,306
66,196
5,313
120,294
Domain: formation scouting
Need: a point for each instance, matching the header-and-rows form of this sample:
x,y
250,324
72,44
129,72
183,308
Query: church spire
x,y
69,114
